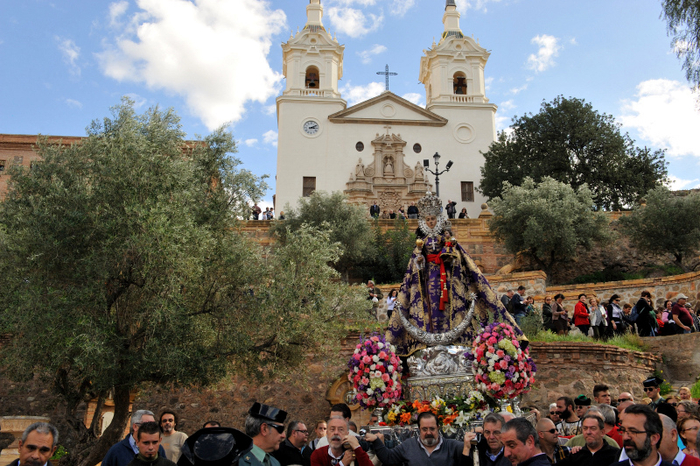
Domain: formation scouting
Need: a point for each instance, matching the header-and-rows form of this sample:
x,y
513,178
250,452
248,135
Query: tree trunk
x,y
92,454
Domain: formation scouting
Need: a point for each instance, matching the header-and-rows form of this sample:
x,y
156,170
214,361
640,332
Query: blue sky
x,y
65,62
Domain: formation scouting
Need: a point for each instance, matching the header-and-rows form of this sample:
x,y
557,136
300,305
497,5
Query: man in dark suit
x,y
374,210
521,443
38,444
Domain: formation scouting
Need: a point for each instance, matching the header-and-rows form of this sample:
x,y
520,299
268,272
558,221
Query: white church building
x,y
375,150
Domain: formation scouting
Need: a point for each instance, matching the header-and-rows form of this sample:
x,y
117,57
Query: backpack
x,y
510,306
634,314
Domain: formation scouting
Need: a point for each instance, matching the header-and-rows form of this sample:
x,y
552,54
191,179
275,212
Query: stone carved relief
x,y
387,178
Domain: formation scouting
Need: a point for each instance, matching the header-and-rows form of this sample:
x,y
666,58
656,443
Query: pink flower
x,y
500,353
367,360
374,338
493,341
503,364
356,357
382,355
385,377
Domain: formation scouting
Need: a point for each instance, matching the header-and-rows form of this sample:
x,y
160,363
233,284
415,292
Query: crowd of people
x,y
603,320
412,212
602,431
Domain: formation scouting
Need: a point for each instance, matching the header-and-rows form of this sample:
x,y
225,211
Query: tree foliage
x,y
571,142
668,224
346,222
683,18
387,258
546,222
120,264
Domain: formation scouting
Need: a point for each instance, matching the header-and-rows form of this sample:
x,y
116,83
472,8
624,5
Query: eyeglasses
x,y
551,431
649,389
302,431
622,400
278,427
553,413
631,432
674,404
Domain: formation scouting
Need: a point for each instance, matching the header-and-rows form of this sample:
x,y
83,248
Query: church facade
x,y
375,150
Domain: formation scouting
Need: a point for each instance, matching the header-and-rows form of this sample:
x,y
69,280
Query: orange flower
x,y
417,404
423,408
449,419
406,418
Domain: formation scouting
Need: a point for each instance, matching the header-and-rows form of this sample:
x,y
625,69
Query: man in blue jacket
x,y
122,453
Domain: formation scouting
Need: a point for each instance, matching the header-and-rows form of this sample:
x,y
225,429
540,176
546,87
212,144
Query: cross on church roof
x,y
386,73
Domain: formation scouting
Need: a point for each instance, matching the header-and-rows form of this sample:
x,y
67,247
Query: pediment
x,y
388,108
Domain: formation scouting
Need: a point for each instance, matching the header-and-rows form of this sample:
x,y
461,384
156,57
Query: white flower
x,y
462,420
375,358
370,392
380,345
356,369
373,367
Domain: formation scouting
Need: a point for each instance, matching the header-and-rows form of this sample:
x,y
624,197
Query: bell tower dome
x,y
453,69
312,58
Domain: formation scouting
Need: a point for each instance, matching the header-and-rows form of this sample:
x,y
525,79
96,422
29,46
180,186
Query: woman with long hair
x,y
598,320
616,325
391,302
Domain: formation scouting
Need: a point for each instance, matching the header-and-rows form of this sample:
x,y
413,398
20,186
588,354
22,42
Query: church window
x,y
2,165
309,186
312,80
460,83
417,148
359,146
467,191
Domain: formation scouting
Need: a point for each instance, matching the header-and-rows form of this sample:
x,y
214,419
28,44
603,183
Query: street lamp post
x,y
437,172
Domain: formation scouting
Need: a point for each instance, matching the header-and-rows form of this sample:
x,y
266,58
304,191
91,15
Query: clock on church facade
x,y
374,150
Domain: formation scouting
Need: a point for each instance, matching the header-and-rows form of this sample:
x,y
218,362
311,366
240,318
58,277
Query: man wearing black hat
x,y
265,425
582,403
652,389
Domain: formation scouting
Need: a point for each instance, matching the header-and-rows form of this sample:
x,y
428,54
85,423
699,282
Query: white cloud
x,y
252,142
138,100
665,115
507,105
503,123
71,53
548,50
270,137
400,7
354,22
74,103
116,11
366,55
415,98
572,41
211,52
356,94
517,90
487,83
464,5
675,183
269,109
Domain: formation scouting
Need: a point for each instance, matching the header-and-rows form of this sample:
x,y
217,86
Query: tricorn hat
x,y
653,382
269,413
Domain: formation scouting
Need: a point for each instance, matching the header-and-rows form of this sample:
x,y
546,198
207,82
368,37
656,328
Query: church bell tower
x,y
453,69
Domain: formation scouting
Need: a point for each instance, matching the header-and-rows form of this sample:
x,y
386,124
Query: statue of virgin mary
x,y
444,298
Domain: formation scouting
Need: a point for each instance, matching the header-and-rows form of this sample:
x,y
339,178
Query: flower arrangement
x,y
375,372
501,367
453,413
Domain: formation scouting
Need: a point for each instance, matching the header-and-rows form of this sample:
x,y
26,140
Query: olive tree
x,y
547,222
121,264
667,224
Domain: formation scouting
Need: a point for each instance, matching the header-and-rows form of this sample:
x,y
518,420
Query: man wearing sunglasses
x,y
652,388
265,425
624,400
549,441
292,450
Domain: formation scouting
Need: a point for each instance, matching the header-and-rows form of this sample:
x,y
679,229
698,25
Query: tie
x,y
675,463
266,461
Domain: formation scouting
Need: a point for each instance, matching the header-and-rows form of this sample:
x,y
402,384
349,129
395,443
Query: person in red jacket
x,y
581,320
342,448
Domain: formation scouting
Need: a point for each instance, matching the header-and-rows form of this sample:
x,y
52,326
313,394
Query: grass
x,y
628,341
613,275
